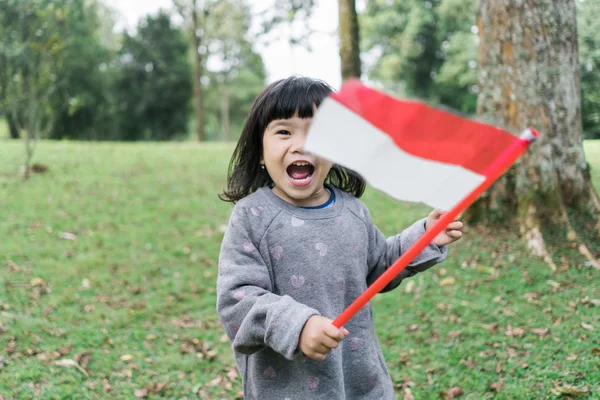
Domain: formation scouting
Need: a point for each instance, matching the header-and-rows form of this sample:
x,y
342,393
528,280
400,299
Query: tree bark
x,y
349,39
529,76
198,71
12,127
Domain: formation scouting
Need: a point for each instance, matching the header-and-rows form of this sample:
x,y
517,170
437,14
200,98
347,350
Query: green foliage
x,y
234,70
423,49
589,59
154,88
110,260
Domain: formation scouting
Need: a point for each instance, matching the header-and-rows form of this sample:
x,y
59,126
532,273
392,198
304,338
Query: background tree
x,y
349,39
235,71
33,36
195,13
154,88
589,56
529,76
423,49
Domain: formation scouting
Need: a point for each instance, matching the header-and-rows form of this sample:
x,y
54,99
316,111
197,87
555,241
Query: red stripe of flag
x,y
427,132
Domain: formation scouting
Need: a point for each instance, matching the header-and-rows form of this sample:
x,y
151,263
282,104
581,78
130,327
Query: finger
x,y
317,356
436,213
321,348
455,225
330,343
454,234
334,333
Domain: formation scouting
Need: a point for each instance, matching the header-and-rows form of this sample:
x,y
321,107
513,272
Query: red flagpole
x,y
494,171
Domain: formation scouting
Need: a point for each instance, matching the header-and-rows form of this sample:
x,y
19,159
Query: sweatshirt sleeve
x,y
253,316
383,252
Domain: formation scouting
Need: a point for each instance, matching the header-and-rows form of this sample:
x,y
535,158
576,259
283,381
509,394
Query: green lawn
x,y
108,263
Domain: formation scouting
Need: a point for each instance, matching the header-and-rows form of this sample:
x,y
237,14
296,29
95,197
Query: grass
x,y
108,261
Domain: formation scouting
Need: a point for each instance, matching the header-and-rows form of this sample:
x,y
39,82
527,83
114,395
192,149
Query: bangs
x,y
290,97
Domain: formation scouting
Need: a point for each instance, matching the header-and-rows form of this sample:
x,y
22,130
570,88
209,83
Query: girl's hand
x,y
319,336
452,233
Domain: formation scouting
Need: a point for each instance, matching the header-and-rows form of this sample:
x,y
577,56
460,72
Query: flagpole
x,y
494,171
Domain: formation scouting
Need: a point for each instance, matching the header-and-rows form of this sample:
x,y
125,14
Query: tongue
x,y
299,172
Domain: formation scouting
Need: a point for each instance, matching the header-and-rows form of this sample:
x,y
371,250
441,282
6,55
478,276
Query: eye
x,y
283,132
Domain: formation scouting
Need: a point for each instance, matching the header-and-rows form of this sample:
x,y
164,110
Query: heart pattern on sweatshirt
x,y
322,247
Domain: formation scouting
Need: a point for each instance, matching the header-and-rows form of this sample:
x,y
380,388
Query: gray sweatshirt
x,y
280,265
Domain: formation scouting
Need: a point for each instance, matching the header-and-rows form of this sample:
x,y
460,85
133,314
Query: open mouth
x,y
300,172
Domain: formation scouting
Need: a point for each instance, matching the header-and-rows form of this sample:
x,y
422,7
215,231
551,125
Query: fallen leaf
x,y
409,286
512,332
67,236
451,393
408,394
596,351
568,390
127,357
141,393
589,327
85,284
107,387
524,365
498,366
572,357
595,302
224,339
38,282
496,386
491,327
540,331
454,334
232,373
468,363
65,362
215,382
447,281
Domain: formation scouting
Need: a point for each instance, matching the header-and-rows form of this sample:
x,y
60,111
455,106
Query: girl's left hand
x,y
451,234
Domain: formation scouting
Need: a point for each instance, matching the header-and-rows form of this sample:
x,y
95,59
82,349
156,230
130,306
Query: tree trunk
x,y
198,90
529,76
349,39
225,120
12,127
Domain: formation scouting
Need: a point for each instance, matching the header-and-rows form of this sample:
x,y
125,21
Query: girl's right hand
x,y
319,337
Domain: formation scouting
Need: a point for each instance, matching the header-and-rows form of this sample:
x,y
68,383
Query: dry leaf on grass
x,y
451,393
68,363
496,386
568,390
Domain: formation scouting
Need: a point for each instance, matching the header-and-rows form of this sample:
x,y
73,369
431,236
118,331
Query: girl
x,y
299,248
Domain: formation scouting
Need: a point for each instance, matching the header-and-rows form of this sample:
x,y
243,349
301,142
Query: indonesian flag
x,y
406,149
413,152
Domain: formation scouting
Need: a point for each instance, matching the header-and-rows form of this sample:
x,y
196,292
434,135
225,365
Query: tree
x,y
589,57
194,13
349,39
423,49
32,42
529,76
235,71
153,89
84,105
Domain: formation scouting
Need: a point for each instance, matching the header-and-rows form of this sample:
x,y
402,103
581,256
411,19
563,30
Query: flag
x,y
413,152
407,149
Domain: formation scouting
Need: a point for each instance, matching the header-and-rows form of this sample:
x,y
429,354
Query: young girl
x,y
300,247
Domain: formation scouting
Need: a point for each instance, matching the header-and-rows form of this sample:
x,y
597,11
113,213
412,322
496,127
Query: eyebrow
x,y
279,122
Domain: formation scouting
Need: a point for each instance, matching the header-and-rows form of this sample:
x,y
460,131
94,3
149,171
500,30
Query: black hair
x,y
280,100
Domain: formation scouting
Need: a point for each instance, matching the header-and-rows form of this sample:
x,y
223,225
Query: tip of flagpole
x,y
530,135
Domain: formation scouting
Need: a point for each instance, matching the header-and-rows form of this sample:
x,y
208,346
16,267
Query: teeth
x,y
301,164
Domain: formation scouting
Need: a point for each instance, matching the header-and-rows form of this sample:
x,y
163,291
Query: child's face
x,y
298,176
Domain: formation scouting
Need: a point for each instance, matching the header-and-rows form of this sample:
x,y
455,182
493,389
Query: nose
x,y
298,143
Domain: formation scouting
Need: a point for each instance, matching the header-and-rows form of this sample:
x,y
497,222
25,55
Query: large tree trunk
x,y
349,37
529,76
198,70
